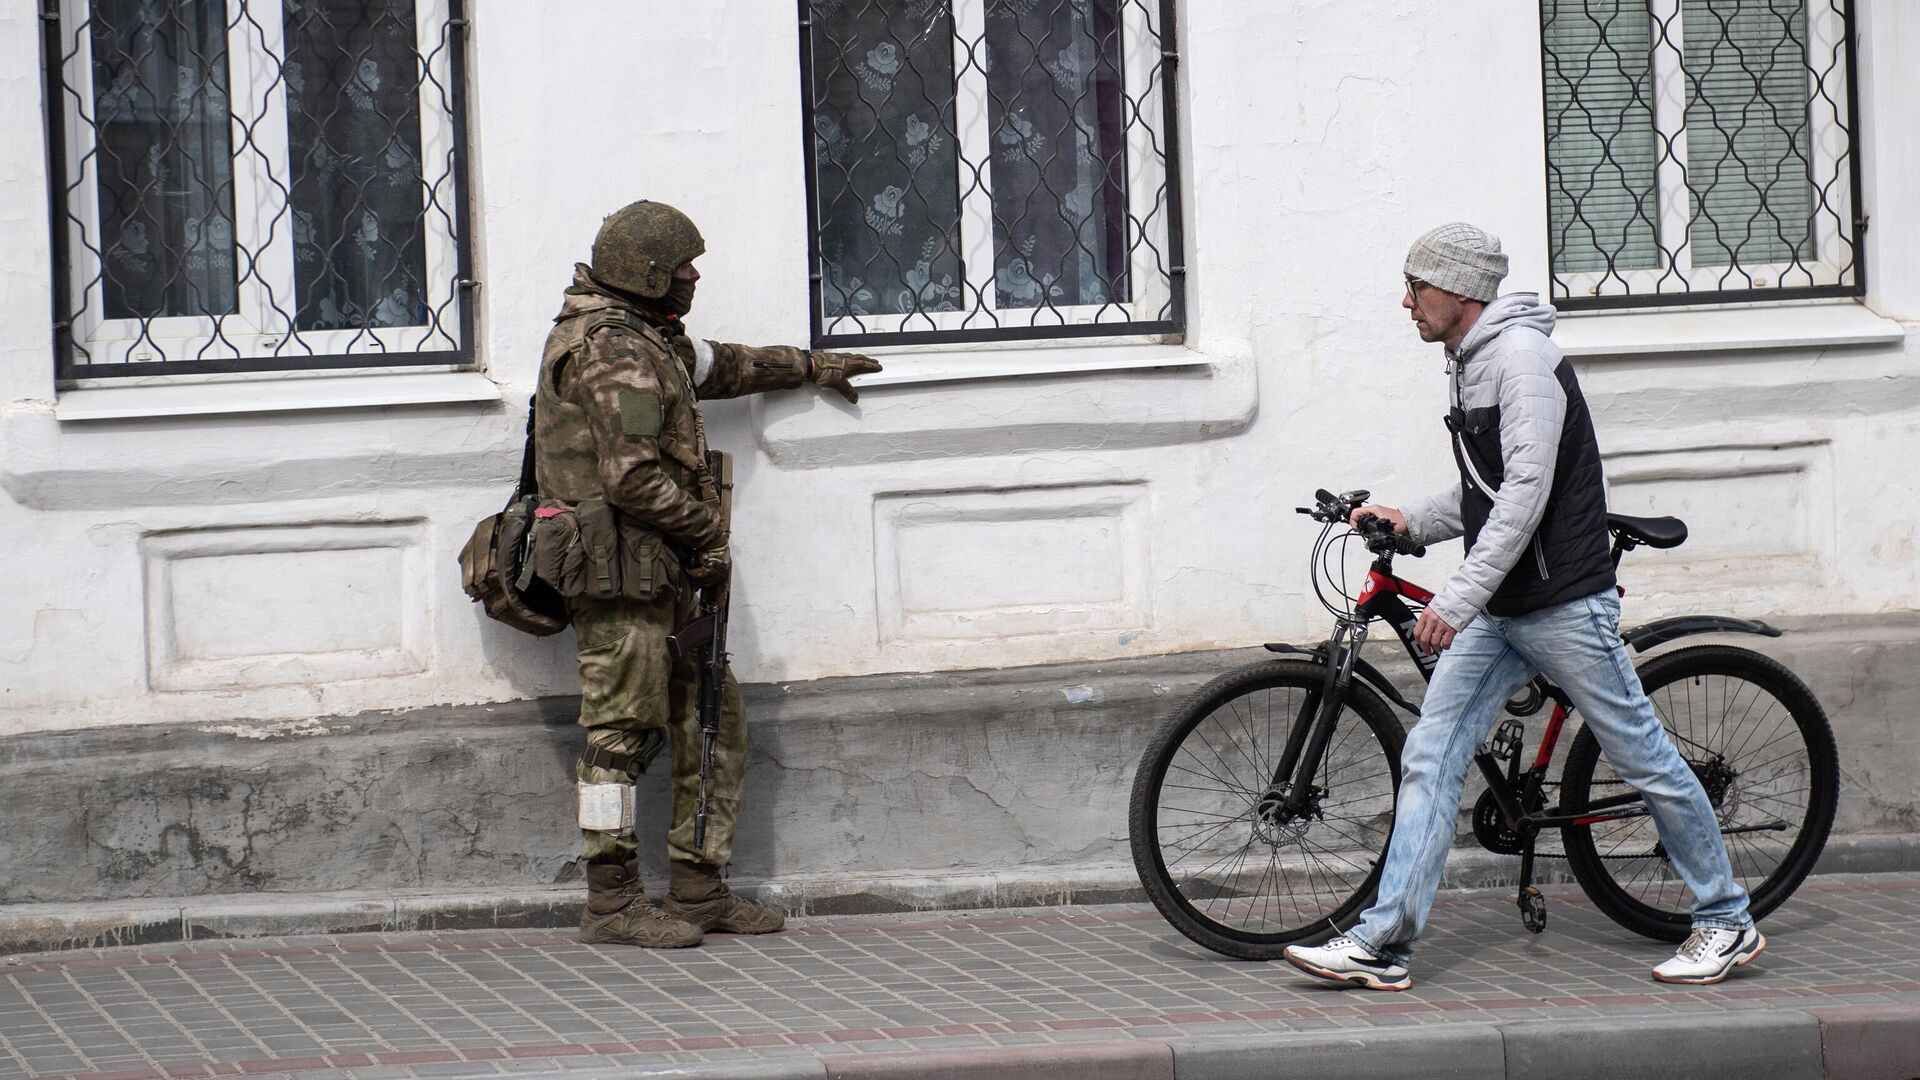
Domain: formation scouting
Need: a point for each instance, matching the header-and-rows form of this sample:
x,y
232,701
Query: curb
x,y
1462,1051
1870,1042
97,925
1730,1045
1133,1060
1843,1042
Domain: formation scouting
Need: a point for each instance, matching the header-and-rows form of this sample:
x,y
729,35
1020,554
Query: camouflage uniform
x,y
616,418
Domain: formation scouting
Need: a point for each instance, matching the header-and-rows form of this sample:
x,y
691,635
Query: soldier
x,y
617,424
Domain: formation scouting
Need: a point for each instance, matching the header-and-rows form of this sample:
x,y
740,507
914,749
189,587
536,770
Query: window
x,y
257,185
991,169
1701,151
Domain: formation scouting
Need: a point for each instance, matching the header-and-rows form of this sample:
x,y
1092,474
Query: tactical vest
x,y
566,466
597,551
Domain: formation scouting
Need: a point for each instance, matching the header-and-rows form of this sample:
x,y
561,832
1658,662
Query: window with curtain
x,y
991,169
258,184
1700,151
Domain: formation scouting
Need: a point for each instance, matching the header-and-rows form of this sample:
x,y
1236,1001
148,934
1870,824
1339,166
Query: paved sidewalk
x,y
1108,991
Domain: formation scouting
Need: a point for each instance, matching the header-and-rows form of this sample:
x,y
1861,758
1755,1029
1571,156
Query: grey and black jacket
x,y
1530,500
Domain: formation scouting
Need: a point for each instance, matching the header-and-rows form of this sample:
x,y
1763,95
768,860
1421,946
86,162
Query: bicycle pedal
x,y
1533,909
1508,740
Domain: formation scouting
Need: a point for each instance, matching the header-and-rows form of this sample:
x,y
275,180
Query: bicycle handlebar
x,y
1376,532
1383,540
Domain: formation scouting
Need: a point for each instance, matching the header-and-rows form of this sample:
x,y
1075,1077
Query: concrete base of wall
x,y
864,793
107,923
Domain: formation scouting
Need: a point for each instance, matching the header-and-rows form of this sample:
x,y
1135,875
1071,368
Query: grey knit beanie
x,y
1459,259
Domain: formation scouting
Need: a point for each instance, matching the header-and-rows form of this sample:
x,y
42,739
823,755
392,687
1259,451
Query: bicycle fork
x,y
1291,794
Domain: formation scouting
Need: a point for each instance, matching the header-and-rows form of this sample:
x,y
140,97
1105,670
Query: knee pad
x,y
604,806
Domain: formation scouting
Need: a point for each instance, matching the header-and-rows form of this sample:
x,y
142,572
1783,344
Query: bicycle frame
x,y
1303,784
1521,797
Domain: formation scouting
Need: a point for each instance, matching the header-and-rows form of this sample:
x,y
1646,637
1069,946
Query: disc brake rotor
x,y
1274,827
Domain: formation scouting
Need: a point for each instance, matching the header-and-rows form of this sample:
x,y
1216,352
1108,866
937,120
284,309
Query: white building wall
x,y
292,564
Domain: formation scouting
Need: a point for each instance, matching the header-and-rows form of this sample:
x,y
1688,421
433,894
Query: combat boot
x,y
619,913
696,893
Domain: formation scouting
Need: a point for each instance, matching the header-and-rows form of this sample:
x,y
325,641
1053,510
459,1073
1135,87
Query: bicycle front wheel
x,y
1760,744
1216,853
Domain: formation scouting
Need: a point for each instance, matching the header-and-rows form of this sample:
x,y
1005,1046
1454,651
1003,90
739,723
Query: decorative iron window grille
x,y
257,185
1701,151
991,169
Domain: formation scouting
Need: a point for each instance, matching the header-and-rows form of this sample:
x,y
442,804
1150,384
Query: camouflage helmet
x,y
641,244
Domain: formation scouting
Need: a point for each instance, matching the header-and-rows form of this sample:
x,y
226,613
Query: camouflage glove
x,y
711,565
833,369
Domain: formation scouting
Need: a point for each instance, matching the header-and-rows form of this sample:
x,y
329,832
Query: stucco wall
x,y
297,564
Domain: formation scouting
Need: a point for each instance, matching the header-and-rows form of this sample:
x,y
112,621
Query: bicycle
x,y
1263,805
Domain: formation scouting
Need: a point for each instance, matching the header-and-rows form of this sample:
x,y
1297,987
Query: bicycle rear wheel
x,y
1230,873
1762,747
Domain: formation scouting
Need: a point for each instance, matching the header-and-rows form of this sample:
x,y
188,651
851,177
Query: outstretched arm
x,y
724,370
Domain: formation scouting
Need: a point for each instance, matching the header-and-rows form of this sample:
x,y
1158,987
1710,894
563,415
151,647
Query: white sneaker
x,y
1709,954
1344,960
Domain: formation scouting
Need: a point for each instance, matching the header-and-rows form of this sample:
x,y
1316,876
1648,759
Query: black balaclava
x,y
679,298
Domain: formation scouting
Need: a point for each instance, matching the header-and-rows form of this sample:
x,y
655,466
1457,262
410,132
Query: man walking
x,y
1535,594
619,441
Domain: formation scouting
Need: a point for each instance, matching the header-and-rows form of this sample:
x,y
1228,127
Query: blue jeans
x,y
1577,645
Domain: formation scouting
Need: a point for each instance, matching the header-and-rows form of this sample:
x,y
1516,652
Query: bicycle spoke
x,y
1251,797
1226,765
1754,736
1226,869
1198,842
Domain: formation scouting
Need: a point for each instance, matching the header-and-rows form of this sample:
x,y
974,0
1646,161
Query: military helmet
x,y
641,244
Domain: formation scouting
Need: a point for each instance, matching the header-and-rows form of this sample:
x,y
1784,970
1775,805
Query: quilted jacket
x,y
1530,501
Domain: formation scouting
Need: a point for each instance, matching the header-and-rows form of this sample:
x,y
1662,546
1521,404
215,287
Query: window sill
x,y
1725,329
1208,390
906,368
275,395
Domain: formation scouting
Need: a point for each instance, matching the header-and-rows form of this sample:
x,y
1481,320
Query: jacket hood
x,y
1503,314
586,294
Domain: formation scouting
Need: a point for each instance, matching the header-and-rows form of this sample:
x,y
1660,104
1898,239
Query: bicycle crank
x,y
1490,827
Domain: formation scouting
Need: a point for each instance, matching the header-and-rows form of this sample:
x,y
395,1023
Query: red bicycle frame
x,y
1393,600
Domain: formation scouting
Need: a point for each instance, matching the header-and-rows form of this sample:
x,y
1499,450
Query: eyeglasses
x,y
1413,290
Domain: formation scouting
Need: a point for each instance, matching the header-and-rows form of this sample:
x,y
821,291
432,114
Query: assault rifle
x,y
706,638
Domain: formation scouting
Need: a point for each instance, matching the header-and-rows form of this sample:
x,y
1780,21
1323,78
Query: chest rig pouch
x,y
594,552
589,549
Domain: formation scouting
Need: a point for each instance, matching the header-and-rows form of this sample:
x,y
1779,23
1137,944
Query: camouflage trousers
x,y
631,688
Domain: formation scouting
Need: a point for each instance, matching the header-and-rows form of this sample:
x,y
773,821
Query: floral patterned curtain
x,y
891,178
1059,201
353,122
888,175
164,158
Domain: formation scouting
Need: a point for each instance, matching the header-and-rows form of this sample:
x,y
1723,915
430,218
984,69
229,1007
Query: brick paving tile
x,y
490,1002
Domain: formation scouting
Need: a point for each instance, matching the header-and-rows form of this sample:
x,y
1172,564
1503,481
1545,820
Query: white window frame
x,y
1676,272
1147,179
261,326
